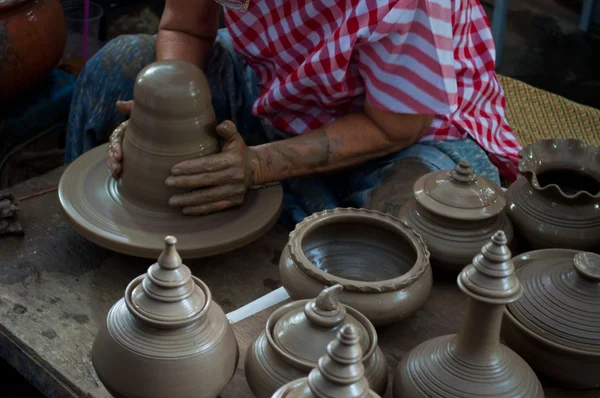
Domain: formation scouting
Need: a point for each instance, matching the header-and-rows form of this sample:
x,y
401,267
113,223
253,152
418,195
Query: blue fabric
x,y
109,76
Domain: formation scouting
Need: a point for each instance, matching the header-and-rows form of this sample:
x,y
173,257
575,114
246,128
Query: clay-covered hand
x,y
218,181
115,154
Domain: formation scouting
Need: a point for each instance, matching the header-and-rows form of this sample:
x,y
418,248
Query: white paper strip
x,y
258,305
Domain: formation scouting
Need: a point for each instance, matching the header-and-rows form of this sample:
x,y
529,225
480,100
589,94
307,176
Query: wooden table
x,y
56,288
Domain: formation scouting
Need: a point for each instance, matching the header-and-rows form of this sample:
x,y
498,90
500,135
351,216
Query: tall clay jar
x,y
556,202
166,338
172,120
381,262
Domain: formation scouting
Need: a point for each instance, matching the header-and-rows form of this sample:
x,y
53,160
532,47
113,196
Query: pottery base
x,y
89,198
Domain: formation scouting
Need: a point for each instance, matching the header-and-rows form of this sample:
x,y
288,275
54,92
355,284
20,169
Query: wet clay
x,y
555,326
340,372
9,209
473,362
382,263
296,336
556,202
150,344
171,121
456,212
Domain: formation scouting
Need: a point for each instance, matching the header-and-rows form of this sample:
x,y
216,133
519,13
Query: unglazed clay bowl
x,y
556,325
382,263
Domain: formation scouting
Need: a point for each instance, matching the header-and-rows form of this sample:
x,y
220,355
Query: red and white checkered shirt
x,y
319,60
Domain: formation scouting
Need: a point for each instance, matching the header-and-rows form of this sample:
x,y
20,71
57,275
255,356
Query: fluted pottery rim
x,y
529,164
167,324
400,227
309,365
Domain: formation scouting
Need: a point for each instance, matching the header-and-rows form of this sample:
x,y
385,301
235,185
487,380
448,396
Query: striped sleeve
x,y
407,62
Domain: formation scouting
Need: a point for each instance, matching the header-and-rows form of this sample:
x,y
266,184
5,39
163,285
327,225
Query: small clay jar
x,y
172,120
556,202
555,327
473,363
456,212
339,373
166,338
297,334
382,263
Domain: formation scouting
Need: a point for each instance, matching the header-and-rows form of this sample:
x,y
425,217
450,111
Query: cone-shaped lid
x,y
459,194
340,373
491,277
168,296
304,331
561,299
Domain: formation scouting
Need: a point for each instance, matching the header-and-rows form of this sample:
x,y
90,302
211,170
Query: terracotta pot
x,y
382,263
555,327
557,203
339,373
473,363
296,336
456,212
166,337
32,39
173,97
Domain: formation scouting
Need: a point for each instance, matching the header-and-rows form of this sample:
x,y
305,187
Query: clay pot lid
x,y
561,300
459,194
168,295
306,327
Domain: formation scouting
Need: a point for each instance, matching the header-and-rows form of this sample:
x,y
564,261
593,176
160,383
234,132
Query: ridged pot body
x,y
266,371
452,243
135,361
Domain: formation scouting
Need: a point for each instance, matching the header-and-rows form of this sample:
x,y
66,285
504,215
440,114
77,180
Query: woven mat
x,y
535,114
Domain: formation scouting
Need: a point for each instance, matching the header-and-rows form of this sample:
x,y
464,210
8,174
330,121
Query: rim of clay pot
x,y
308,365
167,324
569,153
393,224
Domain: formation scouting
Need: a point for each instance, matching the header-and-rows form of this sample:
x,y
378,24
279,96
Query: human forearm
x,y
348,141
179,45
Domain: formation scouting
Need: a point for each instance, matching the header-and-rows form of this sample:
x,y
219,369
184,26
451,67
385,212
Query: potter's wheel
x,y
91,201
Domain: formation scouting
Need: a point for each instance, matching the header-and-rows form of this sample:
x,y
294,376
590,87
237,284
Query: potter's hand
x,y
219,181
115,154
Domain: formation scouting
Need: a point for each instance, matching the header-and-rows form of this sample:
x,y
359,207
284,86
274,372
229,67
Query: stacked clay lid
x,y
561,302
459,194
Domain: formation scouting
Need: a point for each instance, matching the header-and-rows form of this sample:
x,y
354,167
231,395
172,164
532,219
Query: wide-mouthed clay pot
x,y
473,363
382,263
555,327
456,212
339,373
166,338
556,204
296,336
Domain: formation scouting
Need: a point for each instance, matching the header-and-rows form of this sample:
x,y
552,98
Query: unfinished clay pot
x,y
556,204
555,327
456,212
473,363
172,120
296,336
166,338
339,373
382,263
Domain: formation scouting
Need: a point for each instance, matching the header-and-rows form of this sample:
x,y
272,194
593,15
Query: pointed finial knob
x,y
340,372
326,310
491,276
169,258
463,172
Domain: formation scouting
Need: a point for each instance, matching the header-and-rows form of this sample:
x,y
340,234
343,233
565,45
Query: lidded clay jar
x,y
556,325
556,202
297,334
473,363
381,262
166,337
456,212
172,120
339,373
